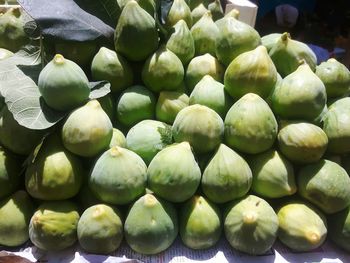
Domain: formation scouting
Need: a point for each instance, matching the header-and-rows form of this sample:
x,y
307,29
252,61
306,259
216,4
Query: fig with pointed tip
x,y
12,34
199,125
55,174
226,177
181,42
336,124
169,104
251,72
270,40
109,65
150,6
136,35
325,184
200,223
199,67
155,230
173,174
250,125
235,37
287,53
251,225
100,229
273,175
88,130
118,176
4,54
162,71
10,172
148,137
16,137
301,226
179,10
198,12
335,76
135,104
339,228
15,214
300,95
302,142
205,33
63,84
118,139
53,227
211,93
215,9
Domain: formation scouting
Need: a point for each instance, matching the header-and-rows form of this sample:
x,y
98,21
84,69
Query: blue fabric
x,y
266,6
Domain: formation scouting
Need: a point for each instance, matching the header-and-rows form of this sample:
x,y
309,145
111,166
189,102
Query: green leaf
x,y
22,96
99,89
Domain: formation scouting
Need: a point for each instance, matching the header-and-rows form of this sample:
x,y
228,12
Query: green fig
x,y
15,213
118,176
325,184
118,139
169,104
301,227
110,66
287,53
15,137
88,130
12,34
63,84
199,125
201,66
205,33
216,10
251,225
302,142
155,230
235,37
179,11
200,223
211,93
136,35
198,12
251,72
270,40
336,124
53,227
162,71
55,174
150,6
148,137
300,95
100,229
10,172
273,175
135,104
226,177
250,125
181,42
173,174
335,76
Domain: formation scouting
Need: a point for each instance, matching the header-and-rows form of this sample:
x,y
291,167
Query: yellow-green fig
x,y
118,139
88,130
109,65
198,12
251,72
203,65
169,104
179,10
216,10
301,226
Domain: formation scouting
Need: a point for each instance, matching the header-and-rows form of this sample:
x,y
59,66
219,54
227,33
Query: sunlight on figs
x,y
179,11
118,139
169,104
